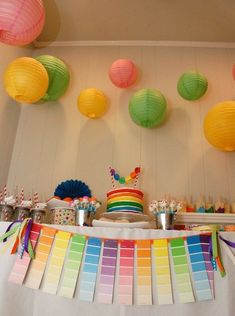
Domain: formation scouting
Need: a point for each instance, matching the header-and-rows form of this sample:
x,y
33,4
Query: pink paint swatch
x,y
126,272
108,270
20,267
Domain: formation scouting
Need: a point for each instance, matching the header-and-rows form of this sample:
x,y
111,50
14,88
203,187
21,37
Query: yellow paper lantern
x,y
219,126
92,103
26,80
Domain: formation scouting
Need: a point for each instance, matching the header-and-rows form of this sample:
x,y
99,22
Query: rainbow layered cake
x,y
125,200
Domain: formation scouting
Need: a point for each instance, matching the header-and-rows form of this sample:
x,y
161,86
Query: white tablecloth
x,y
20,301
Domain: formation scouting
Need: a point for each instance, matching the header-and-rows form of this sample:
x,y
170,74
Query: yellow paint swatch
x,y
53,273
162,268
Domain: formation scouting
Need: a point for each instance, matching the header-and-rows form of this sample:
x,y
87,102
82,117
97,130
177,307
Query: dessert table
x,y
18,300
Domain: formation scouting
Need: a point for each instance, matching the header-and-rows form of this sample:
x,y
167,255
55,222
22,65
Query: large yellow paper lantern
x,y
92,103
26,80
219,126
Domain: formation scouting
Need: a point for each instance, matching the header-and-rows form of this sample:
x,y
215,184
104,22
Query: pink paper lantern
x,y
234,72
21,21
123,73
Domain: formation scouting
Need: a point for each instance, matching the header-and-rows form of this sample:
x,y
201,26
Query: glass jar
x,y
23,213
38,215
7,213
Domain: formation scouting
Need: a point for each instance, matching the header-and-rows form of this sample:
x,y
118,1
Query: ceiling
x,y
139,20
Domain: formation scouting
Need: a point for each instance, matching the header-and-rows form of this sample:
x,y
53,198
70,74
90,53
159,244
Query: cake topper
x,y
132,177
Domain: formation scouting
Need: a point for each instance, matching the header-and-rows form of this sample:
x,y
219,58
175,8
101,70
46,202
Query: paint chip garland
x,y
114,270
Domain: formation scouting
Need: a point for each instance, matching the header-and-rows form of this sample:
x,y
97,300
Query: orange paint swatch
x,y
144,273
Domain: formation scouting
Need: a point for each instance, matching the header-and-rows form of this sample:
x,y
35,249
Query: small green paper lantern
x,y
148,107
58,77
192,85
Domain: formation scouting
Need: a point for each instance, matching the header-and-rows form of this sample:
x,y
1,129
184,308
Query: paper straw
x,y
35,198
136,179
5,191
112,178
1,196
21,196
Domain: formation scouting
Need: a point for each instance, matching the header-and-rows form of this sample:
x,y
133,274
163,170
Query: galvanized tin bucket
x,y
165,220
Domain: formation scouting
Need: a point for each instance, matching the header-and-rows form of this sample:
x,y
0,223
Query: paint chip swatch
x,y
72,266
38,264
107,274
56,262
162,268
144,273
126,272
20,267
182,275
90,269
200,276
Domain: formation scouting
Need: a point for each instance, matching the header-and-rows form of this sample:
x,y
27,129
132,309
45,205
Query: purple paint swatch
x,y
108,270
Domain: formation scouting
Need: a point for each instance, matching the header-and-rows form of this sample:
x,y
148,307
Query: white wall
x,y
9,112
55,142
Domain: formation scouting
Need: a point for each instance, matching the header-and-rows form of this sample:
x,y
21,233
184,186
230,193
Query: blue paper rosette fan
x,y
73,189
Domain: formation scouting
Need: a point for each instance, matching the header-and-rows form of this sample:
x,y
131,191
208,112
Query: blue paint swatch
x,y
201,281
90,269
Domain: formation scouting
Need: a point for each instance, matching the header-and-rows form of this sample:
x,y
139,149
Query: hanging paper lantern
x,y
148,107
219,126
21,21
92,103
58,77
26,80
192,85
233,72
123,73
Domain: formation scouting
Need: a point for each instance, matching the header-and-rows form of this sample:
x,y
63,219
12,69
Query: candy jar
x,y
190,206
226,206
201,205
24,210
7,213
182,206
210,206
219,206
39,213
233,207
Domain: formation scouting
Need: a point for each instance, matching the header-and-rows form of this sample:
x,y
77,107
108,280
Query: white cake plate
x,y
131,217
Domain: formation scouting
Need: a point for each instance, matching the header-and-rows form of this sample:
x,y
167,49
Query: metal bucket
x,y
165,220
84,218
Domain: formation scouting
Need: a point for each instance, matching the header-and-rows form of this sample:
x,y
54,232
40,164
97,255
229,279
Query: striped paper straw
x,y
112,178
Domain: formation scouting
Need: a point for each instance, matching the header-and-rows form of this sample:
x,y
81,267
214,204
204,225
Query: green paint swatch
x,y
181,269
72,266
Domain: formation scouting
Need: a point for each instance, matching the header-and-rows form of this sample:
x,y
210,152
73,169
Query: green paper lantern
x,y
58,77
192,85
148,107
